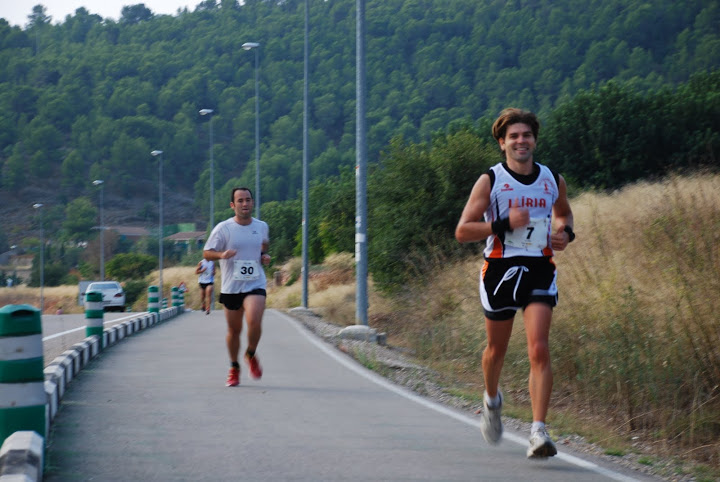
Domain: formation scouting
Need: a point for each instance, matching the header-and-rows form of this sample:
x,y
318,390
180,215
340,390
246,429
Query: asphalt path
x,y
154,407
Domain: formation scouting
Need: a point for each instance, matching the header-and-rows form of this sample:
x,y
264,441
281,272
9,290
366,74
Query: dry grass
x,y
331,289
65,297
636,328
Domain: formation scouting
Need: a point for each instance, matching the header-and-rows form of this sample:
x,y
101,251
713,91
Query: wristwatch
x,y
570,232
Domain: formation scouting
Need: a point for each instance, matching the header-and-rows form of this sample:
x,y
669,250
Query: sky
x,y
17,11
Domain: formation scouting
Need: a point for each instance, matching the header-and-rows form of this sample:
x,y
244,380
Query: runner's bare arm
x,y
471,226
563,217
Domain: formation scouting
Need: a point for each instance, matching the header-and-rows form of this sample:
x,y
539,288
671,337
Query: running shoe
x,y
203,307
254,366
541,445
233,379
491,423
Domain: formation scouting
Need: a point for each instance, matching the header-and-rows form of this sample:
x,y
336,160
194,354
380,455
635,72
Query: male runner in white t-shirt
x,y
512,208
240,244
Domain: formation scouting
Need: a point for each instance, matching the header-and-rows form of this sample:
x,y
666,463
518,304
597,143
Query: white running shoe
x,y
541,445
491,423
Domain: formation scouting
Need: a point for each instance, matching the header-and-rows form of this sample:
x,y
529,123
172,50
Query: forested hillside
x,y
86,98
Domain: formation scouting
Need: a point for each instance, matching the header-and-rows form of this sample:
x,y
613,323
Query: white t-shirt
x,y
243,272
207,276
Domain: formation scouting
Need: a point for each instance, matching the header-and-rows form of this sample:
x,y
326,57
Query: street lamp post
x,y
361,270
255,46
42,258
157,153
212,169
100,182
305,195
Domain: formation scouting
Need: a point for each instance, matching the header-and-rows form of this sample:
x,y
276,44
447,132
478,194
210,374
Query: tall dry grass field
x,y
635,339
637,326
54,297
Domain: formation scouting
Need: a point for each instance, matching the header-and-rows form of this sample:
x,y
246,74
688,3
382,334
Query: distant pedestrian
x,y
240,244
206,280
511,207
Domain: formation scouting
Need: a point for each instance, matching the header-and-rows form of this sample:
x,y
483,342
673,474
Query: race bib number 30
x,y
246,270
532,236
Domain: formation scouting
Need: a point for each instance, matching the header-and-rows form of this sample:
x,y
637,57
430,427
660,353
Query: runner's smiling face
x,y
518,143
242,204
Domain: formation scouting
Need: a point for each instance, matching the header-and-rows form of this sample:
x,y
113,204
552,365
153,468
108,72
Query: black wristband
x,y
570,232
500,226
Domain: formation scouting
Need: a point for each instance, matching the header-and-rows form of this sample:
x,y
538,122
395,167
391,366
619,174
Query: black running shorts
x,y
509,284
235,301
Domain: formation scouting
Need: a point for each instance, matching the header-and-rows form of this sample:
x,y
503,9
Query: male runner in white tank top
x,y
512,207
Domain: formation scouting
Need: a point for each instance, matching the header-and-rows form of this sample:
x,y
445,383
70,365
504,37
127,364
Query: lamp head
x,y
37,205
250,45
156,153
206,111
97,182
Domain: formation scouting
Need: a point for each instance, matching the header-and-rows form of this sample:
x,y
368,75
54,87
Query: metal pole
x,y
211,221
42,264
305,264
257,139
158,154
212,178
361,170
102,232
101,183
42,258
160,234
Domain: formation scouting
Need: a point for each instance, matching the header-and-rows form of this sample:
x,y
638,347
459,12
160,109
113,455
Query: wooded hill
x,y
88,98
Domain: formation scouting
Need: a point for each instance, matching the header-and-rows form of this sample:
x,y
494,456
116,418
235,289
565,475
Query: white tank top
x,y
538,197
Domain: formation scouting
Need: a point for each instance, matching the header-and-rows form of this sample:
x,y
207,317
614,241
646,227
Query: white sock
x,y
493,402
537,426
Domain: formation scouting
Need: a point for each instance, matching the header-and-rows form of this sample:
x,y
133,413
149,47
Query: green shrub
x,y
134,289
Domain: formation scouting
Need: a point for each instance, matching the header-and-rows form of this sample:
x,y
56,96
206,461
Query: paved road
x,y
154,408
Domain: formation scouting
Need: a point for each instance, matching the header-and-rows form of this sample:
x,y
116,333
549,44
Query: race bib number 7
x,y
246,270
532,236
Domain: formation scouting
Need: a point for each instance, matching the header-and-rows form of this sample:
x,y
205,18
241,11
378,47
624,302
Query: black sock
x,y
250,353
235,364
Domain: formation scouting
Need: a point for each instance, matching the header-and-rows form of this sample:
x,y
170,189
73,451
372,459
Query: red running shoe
x,y
254,366
233,379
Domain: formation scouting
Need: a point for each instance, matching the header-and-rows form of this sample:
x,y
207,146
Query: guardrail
x,y
22,452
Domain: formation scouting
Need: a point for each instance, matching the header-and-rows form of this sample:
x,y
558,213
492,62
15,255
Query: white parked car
x,y
113,294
